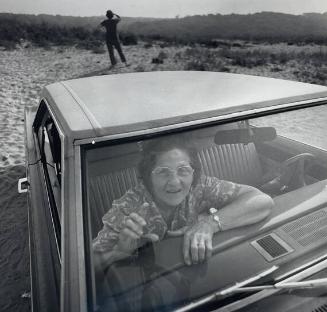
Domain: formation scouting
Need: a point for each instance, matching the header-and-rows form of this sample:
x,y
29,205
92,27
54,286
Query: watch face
x,y
212,210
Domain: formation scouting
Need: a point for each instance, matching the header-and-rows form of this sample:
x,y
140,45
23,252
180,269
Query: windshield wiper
x,y
322,282
226,291
295,281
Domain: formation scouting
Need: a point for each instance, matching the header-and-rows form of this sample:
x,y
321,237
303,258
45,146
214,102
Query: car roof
x,y
114,104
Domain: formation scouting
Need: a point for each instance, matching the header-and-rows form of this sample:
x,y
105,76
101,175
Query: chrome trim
x,y
302,267
52,222
19,185
227,117
80,230
248,281
305,273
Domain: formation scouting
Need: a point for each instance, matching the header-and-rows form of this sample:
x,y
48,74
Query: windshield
x,y
177,217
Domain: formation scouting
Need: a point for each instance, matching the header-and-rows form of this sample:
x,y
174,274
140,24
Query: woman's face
x,y
172,177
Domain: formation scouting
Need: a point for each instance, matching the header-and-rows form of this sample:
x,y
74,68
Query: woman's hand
x,y
131,233
197,245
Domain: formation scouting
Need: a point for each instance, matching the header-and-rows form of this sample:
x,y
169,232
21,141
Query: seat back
x,y
238,163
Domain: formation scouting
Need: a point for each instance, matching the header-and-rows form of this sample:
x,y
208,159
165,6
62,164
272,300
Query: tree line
x,y
44,30
271,27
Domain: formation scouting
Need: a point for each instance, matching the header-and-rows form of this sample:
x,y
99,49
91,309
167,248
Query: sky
x,y
160,8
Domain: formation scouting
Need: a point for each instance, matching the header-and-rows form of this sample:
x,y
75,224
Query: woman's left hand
x,y
197,245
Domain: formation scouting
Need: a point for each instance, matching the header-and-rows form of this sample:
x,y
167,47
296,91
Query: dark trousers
x,y
115,44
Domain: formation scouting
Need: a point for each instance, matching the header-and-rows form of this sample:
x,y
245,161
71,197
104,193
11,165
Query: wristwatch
x,y
213,213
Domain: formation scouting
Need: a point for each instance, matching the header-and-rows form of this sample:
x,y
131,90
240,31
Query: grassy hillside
x,y
43,30
69,30
268,26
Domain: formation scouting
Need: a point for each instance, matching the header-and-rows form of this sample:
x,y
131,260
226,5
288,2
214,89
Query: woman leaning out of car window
x,y
173,198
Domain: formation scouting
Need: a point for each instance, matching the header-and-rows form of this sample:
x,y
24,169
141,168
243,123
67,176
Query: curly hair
x,y
154,148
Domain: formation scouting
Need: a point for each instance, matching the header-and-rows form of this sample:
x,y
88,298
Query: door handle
x,y
22,181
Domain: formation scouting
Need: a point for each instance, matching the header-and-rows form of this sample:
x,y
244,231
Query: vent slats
x,y
272,246
322,308
308,229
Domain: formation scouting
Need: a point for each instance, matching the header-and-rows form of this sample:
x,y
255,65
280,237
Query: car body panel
x,y
73,276
43,268
157,99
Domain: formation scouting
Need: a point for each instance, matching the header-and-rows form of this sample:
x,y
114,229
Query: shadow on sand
x,y
100,72
14,246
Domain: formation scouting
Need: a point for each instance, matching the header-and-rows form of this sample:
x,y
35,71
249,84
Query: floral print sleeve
x,y
217,193
134,200
113,220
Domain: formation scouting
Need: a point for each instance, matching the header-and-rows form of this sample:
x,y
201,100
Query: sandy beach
x,y
23,74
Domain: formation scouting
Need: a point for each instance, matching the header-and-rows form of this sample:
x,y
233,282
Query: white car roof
x,y
114,104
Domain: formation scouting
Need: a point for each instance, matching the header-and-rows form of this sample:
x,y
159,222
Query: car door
x,y
44,174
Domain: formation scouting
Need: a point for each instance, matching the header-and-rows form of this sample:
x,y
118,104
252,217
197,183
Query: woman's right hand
x,y
132,232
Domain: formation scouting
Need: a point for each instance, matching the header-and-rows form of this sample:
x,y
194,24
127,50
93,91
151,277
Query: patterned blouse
x,y
209,192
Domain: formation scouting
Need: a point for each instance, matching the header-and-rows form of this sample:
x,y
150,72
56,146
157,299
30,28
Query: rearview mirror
x,y
248,135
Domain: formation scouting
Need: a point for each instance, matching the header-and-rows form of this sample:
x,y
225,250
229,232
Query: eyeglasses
x,y
166,172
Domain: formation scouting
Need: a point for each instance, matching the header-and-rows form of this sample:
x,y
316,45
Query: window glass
x,y
307,126
50,157
53,169
175,218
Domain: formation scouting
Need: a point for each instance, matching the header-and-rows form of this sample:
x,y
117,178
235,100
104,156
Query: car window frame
x,y
55,202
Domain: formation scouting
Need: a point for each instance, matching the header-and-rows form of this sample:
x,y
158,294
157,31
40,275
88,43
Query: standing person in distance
x,y
112,38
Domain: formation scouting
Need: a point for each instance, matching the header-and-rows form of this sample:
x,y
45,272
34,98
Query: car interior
x,y
233,152
293,173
